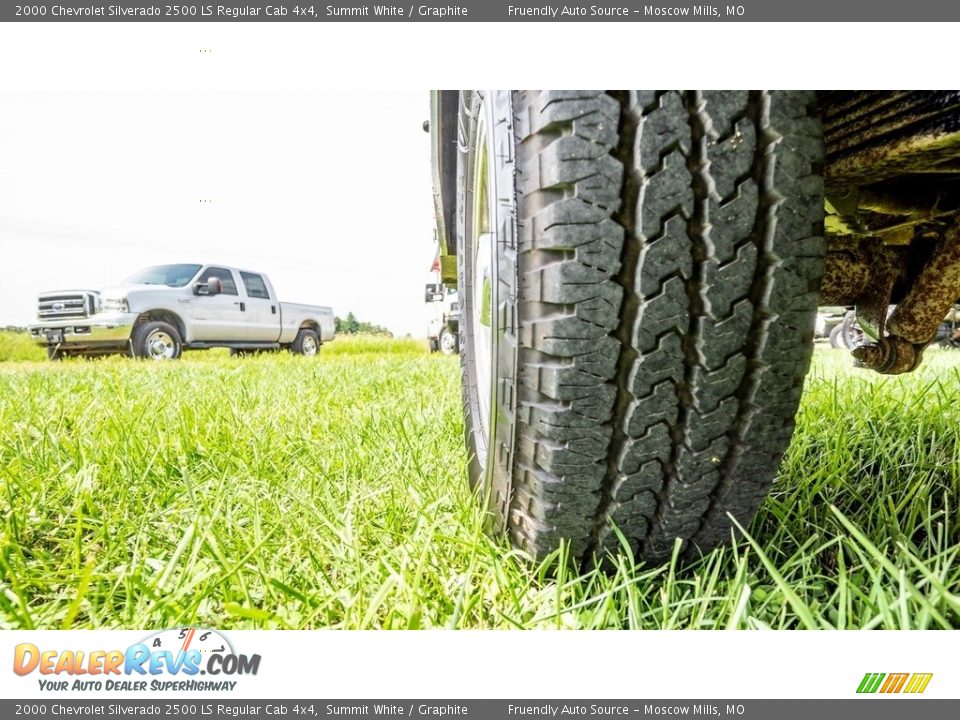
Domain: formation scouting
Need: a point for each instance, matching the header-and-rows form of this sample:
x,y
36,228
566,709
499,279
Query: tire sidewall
x,y
301,336
851,336
490,449
836,337
142,333
447,334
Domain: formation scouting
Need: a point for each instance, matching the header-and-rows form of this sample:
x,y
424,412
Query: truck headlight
x,y
114,305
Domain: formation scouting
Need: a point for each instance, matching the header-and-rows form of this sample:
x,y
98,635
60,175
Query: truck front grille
x,y
63,306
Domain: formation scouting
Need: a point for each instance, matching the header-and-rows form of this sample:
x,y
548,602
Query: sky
x,y
328,193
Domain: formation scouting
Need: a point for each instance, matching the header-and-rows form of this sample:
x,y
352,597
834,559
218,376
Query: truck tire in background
x,y
448,342
242,353
307,342
639,275
156,340
836,338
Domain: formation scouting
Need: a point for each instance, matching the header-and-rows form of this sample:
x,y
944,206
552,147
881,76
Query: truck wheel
x,y
449,342
307,342
236,352
851,335
836,337
156,340
639,279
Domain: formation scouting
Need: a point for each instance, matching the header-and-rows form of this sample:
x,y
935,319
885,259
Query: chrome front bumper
x,y
97,331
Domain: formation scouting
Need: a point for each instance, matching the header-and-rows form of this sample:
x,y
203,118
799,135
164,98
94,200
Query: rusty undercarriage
x,y
892,182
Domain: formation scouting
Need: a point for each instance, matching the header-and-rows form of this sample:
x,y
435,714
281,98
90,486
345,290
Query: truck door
x,y
219,317
263,321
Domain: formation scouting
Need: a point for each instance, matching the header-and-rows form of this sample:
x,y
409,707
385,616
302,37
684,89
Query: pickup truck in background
x,y
443,318
161,311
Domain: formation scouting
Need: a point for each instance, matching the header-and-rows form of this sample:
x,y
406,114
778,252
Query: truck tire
x,y
639,279
242,353
836,338
449,342
307,342
156,340
851,334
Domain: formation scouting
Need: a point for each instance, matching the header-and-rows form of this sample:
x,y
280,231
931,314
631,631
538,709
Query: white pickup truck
x,y
161,311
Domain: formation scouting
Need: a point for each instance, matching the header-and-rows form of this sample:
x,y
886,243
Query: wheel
x,y
307,342
639,279
449,342
836,337
433,344
237,352
851,335
156,340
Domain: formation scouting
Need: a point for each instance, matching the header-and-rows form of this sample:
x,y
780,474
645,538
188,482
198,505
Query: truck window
x,y
226,277
255,286
169,275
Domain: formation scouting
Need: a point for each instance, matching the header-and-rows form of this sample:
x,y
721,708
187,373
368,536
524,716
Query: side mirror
x,y
213,286
433,292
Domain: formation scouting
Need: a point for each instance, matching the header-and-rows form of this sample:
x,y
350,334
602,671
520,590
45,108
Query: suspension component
x,y
868,274
935,290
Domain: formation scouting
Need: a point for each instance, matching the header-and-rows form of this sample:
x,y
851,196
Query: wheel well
x,y
444,124
163,316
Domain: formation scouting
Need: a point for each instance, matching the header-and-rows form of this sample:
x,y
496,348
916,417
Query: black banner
x,y
874,708
482,11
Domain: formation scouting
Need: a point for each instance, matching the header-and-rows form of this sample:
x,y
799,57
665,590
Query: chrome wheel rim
x,y
309,345
160,345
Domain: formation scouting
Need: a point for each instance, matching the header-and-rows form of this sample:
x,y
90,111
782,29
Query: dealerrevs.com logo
x,y
890,683
168,660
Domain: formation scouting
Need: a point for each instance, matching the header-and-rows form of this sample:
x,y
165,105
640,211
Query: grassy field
x,y
276,491
17,347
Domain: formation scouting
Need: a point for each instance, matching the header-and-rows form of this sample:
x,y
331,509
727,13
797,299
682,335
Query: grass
x,y
17,347
274,491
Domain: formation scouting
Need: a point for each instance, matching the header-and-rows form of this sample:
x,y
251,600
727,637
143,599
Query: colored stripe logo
x,y
913,683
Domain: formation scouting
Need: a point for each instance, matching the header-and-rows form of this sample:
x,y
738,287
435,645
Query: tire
x,y
449,343
156,340
306,343
851,334
836,338
640,274
240,353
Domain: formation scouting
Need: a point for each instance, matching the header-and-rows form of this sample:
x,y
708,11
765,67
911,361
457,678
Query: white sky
x,y
326,192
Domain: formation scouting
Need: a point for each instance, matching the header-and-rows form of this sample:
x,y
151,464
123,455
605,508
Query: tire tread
x,y
670,252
